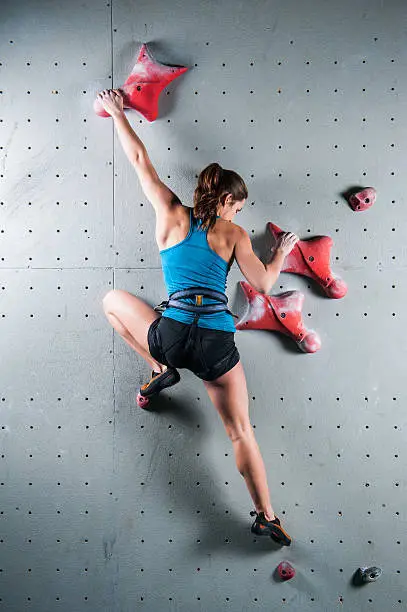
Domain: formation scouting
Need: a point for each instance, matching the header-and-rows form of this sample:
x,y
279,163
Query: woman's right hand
x,y
286,243
112,101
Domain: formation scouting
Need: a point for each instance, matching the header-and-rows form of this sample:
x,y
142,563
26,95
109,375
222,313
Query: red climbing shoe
x,y
270,528
157,382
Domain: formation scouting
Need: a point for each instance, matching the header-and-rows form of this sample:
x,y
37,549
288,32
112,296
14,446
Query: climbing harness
x,y
171,376
198,308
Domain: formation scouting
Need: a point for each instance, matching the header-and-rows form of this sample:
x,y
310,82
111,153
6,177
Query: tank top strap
x,y
191,218
194,222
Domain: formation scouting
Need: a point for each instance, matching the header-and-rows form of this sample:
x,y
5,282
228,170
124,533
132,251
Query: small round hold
x,y
285,570
370,574
142,401
363,199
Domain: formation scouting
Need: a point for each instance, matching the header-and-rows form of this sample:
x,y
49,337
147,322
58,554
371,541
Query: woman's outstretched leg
x,y
251,466
229,396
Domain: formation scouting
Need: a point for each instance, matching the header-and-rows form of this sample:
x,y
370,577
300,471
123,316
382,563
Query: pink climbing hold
x,y
144,85
363,199
311,258
142,401
281,313
285,570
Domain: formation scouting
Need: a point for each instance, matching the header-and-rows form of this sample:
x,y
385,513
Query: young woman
x,y
196,330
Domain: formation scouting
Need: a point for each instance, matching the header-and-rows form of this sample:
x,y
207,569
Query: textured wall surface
x,y
107,507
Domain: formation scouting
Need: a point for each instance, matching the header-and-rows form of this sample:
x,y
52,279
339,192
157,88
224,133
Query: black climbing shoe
x,y
270,528
160,381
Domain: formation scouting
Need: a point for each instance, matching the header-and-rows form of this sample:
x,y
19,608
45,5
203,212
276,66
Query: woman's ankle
x,y
269,515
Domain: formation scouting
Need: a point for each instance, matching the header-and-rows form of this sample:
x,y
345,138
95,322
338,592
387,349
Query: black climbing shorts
x,y
208,353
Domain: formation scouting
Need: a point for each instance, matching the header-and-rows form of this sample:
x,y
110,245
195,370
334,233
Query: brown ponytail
x,y
214,184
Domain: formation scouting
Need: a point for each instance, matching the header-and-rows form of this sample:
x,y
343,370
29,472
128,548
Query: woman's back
x,y
173,229
192,257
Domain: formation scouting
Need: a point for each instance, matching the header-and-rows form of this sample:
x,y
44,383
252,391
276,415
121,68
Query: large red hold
x,y
281,313
144,85
311,258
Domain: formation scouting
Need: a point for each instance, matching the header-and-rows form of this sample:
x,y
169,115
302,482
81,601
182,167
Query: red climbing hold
x,y
142,401
280,313
144,85
285,570
311,258
363,199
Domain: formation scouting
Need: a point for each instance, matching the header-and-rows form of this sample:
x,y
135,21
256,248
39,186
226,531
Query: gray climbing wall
x,y
108,507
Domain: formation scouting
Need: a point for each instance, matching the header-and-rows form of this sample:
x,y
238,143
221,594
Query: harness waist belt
x,y
198,307
199,292
208,308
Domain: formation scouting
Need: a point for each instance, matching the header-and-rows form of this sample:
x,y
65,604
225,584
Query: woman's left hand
x,y
112,101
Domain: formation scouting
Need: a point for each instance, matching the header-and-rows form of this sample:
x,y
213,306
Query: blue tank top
x,y
192,263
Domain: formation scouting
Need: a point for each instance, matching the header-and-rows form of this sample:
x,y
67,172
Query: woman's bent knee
x,y
117,298
109,298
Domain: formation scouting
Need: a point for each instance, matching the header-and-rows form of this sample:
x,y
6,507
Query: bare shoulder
x,y
173,227
228,226
225,238
236,230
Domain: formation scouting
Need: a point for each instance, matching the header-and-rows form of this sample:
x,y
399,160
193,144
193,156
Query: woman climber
x,y
196,330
